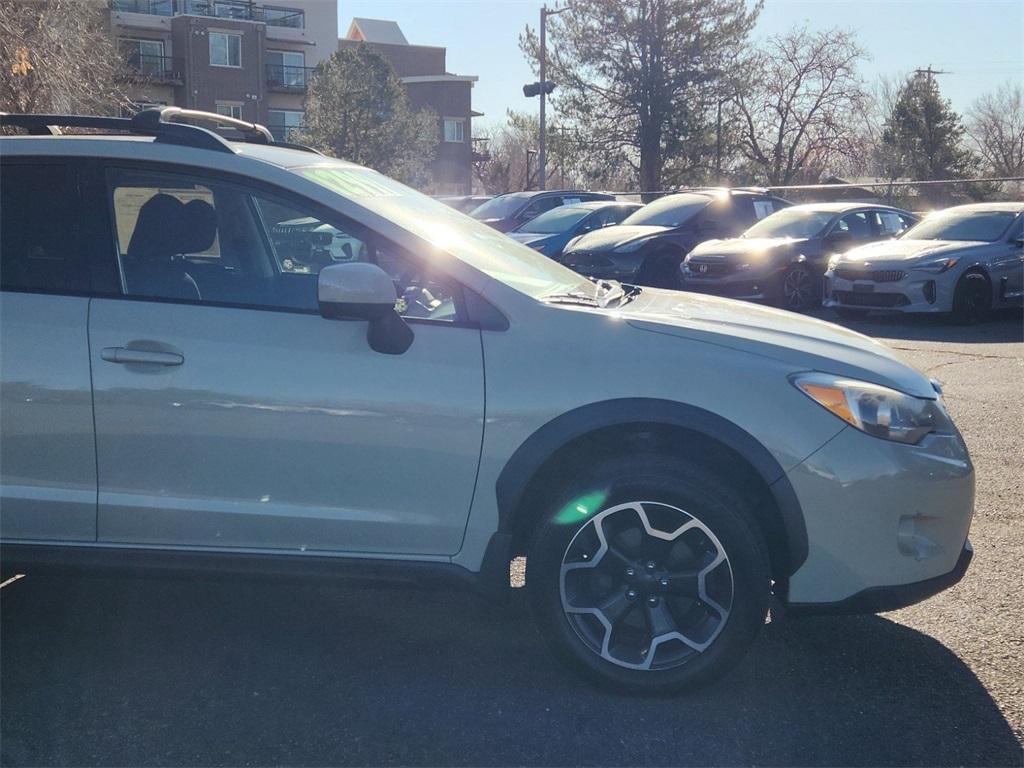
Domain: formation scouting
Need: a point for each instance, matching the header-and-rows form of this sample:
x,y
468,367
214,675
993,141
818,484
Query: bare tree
x,y
995,124
58,56
799,114
509,147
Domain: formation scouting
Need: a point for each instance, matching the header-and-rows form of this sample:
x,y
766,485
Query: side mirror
x,y
1018,241
363,291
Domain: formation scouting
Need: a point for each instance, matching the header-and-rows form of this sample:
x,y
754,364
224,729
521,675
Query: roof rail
x,y
158,122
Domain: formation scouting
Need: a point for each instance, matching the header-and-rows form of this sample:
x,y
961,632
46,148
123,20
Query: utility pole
x,y
929,73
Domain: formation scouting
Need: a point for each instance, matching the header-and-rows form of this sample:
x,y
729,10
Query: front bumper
x,y
885,522
753,285
882,599
914,292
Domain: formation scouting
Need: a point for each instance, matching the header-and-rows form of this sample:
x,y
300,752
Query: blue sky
x,y
981,42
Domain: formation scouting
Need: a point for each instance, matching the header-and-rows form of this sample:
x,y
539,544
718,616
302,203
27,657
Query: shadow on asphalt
x,y
171,672
1004,327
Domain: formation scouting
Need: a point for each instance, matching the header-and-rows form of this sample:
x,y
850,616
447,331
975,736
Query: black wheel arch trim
x,y
535,451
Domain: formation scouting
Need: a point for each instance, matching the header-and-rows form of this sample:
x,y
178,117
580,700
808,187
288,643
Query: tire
x,y
849,313
660,270
799,290
972,299
711,580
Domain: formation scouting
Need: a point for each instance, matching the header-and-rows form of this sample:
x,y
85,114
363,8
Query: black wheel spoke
x,y
659,619
616,606
682,584
615,559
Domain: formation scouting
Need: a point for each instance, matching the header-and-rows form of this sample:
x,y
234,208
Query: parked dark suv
x,y
506,212
782,258
649,246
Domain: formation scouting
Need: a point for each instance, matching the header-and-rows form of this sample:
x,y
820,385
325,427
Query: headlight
x,y
632,245
878,411
833,262
938,266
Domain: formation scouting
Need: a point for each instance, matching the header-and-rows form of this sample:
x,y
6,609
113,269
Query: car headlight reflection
x,y
631,246
878,411
936,267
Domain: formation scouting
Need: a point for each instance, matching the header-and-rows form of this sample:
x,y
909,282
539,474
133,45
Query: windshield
x,y
790,223
953,224
476,244
500,207
670,211
555,221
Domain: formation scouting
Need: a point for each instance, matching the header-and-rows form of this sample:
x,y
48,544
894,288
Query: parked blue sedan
x,y
551,231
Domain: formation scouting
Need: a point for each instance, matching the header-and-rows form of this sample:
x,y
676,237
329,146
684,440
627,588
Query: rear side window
x,y
40,247
891,223
537,207
856,224
764,207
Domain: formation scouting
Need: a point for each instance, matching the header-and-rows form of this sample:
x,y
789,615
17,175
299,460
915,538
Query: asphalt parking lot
x,y
165,671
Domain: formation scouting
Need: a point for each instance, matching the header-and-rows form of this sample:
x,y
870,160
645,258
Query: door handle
x,y
126,356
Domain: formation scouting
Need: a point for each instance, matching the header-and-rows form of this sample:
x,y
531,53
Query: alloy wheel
x,y
646,585
798,288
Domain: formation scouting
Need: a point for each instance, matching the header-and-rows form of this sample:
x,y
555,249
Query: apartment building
x,y
234,57
429,85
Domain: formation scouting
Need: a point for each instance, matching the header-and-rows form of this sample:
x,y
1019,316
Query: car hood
x,y
527,238
738,246
609,238
793,339
909,250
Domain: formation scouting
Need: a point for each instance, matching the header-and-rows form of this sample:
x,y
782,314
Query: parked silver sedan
x,y
964,261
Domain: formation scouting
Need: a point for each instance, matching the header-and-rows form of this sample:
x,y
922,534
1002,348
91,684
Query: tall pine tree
x,y
923,136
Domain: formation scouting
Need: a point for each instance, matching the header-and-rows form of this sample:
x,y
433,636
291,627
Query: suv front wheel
x,y
648,575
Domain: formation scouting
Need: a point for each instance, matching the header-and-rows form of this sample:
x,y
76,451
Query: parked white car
x,y
964,261
668,462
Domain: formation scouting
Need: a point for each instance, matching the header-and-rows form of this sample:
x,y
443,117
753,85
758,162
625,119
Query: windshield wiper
x,y
609,293
572,297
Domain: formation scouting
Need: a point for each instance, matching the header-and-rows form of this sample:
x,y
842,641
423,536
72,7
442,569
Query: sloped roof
x,y
376,31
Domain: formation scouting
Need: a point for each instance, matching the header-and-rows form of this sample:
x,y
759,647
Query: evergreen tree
x,y
923,136
357,110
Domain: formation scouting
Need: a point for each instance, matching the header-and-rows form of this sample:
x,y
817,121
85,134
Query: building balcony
x,y
153,69
239,10
149,7
481,151
288,78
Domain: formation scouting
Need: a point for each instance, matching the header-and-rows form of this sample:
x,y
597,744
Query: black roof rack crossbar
x,y
46,125
159,122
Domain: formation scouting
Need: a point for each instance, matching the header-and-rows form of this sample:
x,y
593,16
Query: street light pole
x,y
542,156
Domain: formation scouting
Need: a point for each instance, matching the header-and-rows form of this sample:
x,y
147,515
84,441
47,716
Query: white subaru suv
x,y
184,385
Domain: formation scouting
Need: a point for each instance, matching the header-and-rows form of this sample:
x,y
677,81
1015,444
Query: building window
x,y
229,109
286,69
454,130
225,49
144,57
283,122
